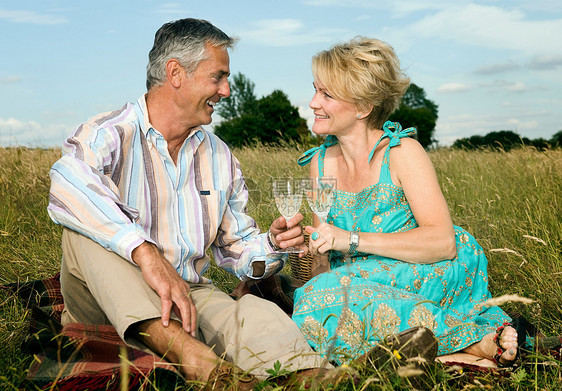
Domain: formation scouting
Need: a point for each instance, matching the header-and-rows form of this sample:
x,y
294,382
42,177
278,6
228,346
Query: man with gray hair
x,y
143,192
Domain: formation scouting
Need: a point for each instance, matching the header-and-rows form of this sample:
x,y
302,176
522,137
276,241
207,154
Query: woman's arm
x,y
434,238
432,241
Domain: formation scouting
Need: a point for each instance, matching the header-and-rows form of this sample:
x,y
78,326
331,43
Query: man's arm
x,y
239,247
83,198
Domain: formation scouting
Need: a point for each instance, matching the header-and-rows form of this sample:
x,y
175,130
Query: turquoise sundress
x,y
364,297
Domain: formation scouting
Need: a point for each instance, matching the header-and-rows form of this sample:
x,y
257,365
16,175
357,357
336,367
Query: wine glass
x,y
287,193
320,196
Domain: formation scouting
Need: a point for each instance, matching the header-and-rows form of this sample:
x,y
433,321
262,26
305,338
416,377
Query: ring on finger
x,y
315,236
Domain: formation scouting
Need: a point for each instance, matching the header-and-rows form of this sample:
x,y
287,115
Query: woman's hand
x,y
329,238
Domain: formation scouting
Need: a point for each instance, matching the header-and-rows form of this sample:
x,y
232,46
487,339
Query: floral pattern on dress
x,y
364,297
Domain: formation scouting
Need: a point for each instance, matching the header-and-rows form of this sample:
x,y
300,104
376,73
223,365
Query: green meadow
x,y
510,201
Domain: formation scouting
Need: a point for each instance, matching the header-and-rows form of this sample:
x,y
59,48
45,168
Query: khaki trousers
x,y
100,287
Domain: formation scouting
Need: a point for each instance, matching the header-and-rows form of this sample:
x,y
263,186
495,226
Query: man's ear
x,y
174,71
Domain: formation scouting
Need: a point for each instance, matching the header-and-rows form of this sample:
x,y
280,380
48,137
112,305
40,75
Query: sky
x,y
488,64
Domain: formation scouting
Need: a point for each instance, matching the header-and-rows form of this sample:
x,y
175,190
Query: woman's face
x,y
331,116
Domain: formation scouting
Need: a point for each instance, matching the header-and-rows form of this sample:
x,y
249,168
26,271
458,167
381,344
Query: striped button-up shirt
x,y
117,184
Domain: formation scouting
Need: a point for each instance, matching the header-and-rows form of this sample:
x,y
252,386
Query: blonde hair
x,y
365,72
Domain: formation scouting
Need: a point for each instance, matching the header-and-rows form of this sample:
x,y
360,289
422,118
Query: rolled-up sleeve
x,y
239,244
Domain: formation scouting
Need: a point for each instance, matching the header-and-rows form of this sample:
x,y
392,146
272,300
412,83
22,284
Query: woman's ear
x,y
364,112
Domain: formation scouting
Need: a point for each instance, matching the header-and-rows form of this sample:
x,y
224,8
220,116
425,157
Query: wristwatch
x,y
270,241
353,241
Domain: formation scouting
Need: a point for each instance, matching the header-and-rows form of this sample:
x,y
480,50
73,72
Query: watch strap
x,y
353,241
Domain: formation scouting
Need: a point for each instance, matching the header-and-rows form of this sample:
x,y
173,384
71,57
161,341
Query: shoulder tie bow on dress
x,y
393,131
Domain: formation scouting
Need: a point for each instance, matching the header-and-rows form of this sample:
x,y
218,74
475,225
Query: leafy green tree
x,y
270,119
240,130
421,118
280,118
503,139
539,143
415,98
556,140
417,111
241,99
472,142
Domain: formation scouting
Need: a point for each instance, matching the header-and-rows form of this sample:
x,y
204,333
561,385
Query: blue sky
x,y
489,65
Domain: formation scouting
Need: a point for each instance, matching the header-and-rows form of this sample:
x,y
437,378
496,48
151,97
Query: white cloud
x,y
403,8
518,86
398,7
10,79
31,133
511,86
31,17
491,27
497,68
287,32
306,113
13,131
546,61
518,125
363,17
451,128
453,88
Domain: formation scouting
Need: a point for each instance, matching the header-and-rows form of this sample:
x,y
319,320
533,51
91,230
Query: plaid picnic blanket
x,y
94,357
79,356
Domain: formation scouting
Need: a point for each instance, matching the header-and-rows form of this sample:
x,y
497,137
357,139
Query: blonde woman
x,y
393,257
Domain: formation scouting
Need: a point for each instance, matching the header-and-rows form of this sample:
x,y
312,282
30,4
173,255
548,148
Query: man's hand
x,y
289,233
173,290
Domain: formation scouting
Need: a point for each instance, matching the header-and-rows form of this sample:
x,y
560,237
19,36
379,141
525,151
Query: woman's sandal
x,y
521,337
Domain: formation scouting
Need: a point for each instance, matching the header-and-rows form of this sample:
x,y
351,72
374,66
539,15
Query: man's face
x,y
206,86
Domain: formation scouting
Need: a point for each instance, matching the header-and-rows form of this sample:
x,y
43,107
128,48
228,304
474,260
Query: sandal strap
x,y
497,356
501,350
499,332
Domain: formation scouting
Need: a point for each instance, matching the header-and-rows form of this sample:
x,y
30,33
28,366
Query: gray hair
x,y
185,41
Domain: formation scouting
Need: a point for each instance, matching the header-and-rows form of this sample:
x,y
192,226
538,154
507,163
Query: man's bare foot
x,y
503,351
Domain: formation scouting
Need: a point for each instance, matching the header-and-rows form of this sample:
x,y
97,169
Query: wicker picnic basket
x,y
301,267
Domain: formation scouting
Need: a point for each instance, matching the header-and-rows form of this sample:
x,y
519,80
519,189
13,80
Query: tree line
x,y
507,140
273,120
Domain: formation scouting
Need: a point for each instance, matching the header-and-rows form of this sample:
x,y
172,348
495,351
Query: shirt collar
x,y
149,131
144,123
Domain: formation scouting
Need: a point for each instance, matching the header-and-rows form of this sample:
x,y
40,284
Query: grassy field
x,y
510,201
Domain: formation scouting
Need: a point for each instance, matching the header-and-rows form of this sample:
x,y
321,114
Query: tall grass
x,y
29,244
510,201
